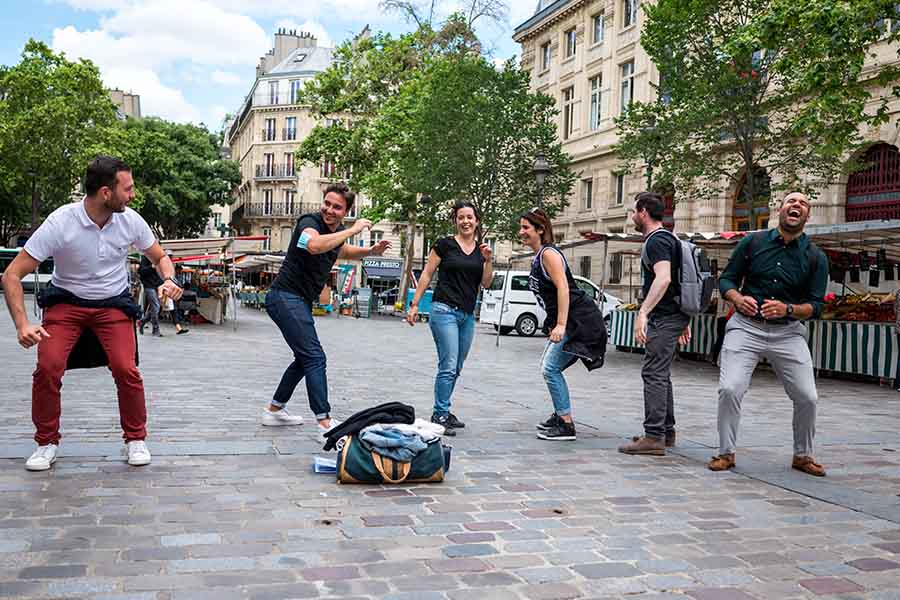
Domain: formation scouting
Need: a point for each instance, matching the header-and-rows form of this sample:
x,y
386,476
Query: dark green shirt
x,y
777,271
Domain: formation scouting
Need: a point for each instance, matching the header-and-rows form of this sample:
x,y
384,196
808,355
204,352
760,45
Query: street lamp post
x,y
540,168
650,157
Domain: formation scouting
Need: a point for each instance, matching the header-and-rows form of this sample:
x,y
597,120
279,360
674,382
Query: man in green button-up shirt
x,y
775,279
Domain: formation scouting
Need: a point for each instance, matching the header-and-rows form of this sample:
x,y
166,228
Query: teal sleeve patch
x,y
303,242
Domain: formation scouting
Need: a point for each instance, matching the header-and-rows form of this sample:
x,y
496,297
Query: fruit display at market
x,y
859,307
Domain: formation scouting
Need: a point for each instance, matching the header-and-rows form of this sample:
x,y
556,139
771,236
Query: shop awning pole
x,y
503,301
603,276
234,304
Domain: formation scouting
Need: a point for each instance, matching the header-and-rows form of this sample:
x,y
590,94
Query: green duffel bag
x,y
355,464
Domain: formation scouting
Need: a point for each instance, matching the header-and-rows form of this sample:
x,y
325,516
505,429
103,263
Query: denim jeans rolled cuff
x,y
293,316
453,331
553,361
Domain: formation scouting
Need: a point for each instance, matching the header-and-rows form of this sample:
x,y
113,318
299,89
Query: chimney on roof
x,y
286,41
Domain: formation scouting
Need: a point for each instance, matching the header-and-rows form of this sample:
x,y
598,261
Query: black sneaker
x,y
455,423
141,326
444,421
562,431
549,423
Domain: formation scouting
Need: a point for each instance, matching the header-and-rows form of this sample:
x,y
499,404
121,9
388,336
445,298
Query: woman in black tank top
x,y
554,287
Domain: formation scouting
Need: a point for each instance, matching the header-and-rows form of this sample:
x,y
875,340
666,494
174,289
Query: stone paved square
x,y
230,509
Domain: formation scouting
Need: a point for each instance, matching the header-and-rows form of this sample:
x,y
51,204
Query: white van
x,y
522,311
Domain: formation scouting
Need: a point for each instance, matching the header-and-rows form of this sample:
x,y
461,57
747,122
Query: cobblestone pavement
x,y
230,509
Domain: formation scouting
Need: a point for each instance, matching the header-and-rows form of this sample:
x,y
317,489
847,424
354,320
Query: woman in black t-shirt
x,y
463,264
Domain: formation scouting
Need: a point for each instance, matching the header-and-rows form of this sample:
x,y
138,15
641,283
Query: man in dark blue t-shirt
x,y
317,242
659,326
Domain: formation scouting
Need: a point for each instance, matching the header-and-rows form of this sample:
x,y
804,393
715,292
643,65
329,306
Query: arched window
x,y
750,214
874,192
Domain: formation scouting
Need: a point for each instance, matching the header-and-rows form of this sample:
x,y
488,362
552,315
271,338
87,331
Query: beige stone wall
x,y
590,149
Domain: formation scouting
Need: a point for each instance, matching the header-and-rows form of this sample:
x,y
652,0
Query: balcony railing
x,y
289,134
269,135
280,209
284,171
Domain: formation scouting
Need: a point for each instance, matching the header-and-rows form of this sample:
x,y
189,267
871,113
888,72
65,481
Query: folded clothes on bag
x,y
428,430
397,445
389,412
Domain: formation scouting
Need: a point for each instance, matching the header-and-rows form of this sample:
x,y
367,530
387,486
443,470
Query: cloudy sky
x,y
194,60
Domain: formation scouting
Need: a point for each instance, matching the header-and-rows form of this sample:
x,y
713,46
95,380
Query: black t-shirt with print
x,y
302,273
662,246
459,275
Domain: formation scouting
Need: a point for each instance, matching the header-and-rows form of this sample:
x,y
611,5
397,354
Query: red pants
x,y
115,330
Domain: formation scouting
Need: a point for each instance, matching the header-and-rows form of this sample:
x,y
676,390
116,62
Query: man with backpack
x,y
659,326
776,279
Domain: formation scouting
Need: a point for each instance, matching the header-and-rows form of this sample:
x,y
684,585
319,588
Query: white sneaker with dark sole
x,y
280,418
42,458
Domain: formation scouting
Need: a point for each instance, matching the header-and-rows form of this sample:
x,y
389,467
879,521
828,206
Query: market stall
x,y
209,266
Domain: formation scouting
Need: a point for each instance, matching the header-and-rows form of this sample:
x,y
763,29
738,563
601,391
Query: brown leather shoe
x,y
808,465
670,439
723,462
645,445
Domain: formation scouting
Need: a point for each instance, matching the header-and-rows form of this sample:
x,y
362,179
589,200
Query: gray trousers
x,y
151,308
784,346
659,401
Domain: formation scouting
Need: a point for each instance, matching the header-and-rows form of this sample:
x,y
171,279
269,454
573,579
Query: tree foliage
x,y
177,171
426,114
51,110
465,130
764,86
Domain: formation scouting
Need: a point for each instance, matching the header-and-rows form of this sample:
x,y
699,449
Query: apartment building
x,y
587,55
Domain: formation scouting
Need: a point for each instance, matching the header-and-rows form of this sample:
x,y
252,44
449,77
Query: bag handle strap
x,y
382,467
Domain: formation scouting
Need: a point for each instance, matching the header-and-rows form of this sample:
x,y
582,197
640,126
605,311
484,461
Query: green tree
x,y
426,114
775,88
463,129
177,170
51,110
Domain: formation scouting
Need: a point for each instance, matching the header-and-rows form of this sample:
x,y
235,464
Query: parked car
x,y
521,310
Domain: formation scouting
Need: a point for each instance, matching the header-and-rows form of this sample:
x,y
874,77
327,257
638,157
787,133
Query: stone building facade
x,y
587,55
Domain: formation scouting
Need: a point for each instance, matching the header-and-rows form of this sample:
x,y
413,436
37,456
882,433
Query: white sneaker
x,y
280,418
334,423
138,454
42,458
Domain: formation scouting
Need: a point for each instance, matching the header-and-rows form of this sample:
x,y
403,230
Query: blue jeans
x,y
294,318
453,331
553,361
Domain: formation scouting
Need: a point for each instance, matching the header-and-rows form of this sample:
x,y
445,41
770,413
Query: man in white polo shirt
x,y
89,242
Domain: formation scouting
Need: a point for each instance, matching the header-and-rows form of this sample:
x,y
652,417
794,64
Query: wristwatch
x,y
790,310
172,279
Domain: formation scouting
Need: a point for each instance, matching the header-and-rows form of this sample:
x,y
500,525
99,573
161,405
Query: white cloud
x,y
309,26
144,38
225,78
